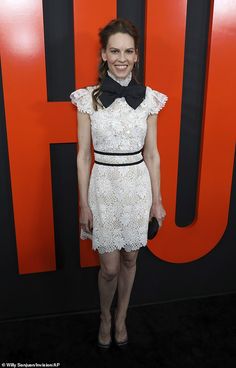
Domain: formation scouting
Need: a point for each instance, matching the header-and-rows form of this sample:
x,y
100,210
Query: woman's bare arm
x,y
83,167
152,159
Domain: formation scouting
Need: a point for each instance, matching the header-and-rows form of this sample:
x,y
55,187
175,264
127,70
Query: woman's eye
x,y
114,51
130,51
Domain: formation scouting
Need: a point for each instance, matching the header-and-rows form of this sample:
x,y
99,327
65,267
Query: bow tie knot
x,y
122,92
133,93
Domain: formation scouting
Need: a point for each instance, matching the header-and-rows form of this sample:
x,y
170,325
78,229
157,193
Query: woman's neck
x,y
122,81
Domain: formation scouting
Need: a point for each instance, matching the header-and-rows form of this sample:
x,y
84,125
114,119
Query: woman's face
x,y
120,54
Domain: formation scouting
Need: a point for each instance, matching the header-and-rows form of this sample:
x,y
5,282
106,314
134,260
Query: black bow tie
x,y
134,93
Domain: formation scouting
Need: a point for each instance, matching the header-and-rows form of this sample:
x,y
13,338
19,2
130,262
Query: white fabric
x,y
123,82
120,197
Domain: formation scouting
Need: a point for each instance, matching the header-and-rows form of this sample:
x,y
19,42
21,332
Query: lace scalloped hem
x,y
127,248
157,109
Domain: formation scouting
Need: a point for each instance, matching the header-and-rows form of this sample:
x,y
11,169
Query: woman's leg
x,y
125,284
107,283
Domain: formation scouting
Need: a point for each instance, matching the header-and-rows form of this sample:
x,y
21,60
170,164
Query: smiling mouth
x,y
121,66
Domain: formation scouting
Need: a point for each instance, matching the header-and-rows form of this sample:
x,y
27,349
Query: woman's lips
x,y
121,67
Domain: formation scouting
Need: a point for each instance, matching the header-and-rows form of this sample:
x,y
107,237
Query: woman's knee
x,y
109,272
128,260
110,264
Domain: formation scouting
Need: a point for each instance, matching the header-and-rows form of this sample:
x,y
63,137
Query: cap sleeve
x,y
82,98
156,100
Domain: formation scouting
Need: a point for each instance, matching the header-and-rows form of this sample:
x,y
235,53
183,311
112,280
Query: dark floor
x,y
197,333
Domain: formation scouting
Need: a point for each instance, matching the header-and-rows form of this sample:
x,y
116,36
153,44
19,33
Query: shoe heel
x,y
121,344
103,346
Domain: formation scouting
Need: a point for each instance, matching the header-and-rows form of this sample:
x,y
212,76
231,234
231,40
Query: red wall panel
x,y
164,71
33,123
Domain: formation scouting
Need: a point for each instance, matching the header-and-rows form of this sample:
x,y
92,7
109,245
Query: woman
x,y
123,191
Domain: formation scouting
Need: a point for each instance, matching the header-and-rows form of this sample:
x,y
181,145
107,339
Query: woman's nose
x,y
122,56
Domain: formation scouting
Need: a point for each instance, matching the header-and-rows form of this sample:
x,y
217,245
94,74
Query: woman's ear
x,y
103,55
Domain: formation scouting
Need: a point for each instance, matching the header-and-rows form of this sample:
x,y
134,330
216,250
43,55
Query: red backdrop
x,y
32,123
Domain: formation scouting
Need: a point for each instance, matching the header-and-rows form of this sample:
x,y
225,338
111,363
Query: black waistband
x,y
118,153
126,164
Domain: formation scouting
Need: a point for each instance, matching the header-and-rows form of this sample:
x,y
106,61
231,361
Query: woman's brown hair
x,y
118,25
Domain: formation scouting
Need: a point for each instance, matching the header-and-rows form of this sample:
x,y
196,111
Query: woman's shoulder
x,y
83,91
82,98
155,99
150,92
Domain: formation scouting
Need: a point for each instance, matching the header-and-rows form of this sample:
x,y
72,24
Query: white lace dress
x,y
120,197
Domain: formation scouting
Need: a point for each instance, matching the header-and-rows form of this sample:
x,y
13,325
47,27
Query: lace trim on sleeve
x,y
157,101
82,98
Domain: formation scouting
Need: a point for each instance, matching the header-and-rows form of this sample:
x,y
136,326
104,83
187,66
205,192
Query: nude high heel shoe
x,y
101,345
123,343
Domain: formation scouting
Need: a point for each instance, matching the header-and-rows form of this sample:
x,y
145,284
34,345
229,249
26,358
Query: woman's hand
x,y
158,211
86,218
